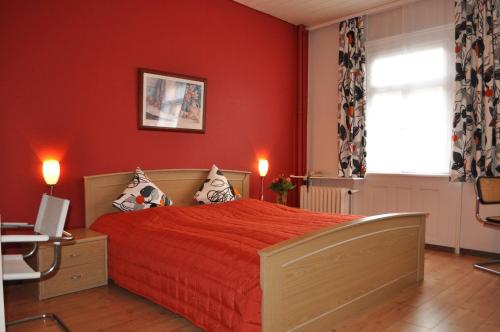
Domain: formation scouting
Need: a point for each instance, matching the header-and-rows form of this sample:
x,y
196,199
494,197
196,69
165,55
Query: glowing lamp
x,y
263,167
51,171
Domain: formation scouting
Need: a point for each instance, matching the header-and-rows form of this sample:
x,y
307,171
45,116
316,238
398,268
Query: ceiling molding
x,y
370,11
316,14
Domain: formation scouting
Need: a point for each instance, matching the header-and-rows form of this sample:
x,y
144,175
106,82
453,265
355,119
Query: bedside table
x,y
83,264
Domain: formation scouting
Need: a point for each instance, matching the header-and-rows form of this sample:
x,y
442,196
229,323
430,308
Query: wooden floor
x,y
453,297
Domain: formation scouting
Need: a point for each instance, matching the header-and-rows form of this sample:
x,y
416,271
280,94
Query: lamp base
x,y
261,188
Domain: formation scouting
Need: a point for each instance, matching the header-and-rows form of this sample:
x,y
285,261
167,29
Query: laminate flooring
x,y
452,297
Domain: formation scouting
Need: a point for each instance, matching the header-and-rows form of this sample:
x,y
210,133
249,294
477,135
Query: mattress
x,y
202,261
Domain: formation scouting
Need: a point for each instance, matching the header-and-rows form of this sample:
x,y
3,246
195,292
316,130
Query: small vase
x,y
281,198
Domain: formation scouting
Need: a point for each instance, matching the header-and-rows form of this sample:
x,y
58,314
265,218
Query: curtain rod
x,y
373,10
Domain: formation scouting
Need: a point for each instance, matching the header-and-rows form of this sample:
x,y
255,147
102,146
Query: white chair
x,y
49,227
488,192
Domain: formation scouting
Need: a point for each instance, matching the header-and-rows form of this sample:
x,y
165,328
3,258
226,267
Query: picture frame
x,y
169,101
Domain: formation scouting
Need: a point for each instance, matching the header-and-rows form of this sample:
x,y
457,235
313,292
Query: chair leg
x,y
484,266
50,316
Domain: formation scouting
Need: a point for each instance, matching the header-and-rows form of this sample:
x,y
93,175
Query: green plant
x,y
281,184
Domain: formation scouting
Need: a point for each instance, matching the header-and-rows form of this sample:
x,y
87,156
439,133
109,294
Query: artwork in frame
x,y
170,101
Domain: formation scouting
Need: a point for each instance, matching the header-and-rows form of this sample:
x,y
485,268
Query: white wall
x,y
322,103
453,211
473,234
435,195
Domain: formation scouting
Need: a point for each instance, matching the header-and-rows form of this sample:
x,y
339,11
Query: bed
x,y
308,282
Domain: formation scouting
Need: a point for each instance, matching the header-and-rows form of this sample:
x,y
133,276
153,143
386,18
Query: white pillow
x,y
216,189
141,194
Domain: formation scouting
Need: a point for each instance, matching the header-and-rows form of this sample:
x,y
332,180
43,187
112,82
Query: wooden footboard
x,y
313,282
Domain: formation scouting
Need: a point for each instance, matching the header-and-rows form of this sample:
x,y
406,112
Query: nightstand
x,y
83,264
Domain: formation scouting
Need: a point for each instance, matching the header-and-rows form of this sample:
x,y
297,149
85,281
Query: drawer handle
x,y
75,277
74,255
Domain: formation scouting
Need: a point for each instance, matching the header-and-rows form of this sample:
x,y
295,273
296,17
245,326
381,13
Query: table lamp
x,y
51,171
263,168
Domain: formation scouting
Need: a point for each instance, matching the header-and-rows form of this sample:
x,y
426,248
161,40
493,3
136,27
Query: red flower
x,y
282,184
351,111
458,48
489,93
455,137
139,199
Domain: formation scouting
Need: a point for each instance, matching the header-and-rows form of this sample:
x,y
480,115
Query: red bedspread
x,y
202,262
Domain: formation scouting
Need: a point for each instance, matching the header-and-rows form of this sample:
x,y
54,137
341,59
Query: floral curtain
x,y
476,131
352,98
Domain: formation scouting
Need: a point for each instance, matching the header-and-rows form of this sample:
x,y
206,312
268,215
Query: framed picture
x,y
171,101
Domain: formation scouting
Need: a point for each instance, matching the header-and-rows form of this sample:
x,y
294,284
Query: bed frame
x,y
312,282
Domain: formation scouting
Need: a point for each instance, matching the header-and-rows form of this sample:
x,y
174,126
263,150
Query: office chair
x,y
47,228
488,192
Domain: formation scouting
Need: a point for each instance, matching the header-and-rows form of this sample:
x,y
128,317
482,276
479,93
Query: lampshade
x,y
51,171
263,167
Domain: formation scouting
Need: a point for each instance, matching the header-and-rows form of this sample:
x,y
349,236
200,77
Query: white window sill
x,y
410,175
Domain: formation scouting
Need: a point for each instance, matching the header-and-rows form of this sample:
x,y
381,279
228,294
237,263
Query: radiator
x,y
325,199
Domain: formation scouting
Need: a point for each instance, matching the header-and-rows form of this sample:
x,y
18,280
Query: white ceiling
x,y
315,12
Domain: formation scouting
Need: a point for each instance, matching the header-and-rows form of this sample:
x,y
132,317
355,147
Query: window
x,y
408,117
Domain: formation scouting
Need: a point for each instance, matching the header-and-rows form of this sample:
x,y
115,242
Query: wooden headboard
x,y
180,185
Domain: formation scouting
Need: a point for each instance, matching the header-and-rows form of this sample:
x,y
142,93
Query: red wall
x,y
68,86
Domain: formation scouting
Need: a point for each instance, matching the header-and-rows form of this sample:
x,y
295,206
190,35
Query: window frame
x,y
437,37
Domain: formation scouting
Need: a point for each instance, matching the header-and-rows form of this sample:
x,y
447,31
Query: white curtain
x,y
410,63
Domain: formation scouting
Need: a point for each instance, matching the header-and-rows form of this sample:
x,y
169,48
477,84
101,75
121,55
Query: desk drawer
x,y
72,279
75,254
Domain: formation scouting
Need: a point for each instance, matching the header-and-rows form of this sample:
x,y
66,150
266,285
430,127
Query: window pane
x,y
408,122
411,68
427,137
384,132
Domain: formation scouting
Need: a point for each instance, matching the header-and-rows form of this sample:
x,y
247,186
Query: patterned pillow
x,y
140,194
216,189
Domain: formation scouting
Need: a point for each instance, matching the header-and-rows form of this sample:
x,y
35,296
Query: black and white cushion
x,y
141,194
215,189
